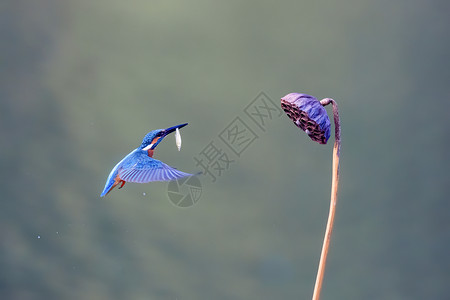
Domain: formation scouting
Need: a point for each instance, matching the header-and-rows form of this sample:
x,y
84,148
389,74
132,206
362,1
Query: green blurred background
x,y
81,82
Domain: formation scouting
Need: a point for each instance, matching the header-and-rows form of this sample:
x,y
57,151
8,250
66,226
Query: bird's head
x,y
153,138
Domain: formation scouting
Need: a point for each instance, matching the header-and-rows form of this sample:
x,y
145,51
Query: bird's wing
x,y
141,168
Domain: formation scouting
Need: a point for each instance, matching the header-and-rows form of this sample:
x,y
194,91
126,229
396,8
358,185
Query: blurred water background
x,y
81,82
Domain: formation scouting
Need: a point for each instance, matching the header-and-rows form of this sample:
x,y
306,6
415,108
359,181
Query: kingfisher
x,y
140,166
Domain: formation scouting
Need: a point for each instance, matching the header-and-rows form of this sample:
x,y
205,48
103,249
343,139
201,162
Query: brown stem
x,y
333,201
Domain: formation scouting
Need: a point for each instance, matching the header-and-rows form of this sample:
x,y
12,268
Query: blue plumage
x,y
140,167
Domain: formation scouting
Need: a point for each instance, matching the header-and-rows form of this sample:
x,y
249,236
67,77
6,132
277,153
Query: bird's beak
x,y
167,131
173,128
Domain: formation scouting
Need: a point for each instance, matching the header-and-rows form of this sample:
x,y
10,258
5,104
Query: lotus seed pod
x,y
308,114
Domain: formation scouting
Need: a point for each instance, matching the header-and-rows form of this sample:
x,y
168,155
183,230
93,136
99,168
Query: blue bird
x,y
140,167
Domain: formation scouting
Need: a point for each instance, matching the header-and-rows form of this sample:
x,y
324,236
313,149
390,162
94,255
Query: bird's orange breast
x,y
154,141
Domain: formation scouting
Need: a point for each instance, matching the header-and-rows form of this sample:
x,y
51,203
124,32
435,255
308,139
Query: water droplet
x,y
38,236
143,194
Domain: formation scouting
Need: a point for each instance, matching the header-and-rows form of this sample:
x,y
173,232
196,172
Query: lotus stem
x,y
333,201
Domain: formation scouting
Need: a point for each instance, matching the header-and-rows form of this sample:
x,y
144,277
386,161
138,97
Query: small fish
x,y
178,139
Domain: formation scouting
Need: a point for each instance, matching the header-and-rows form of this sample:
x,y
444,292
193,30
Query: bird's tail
x,y
110,183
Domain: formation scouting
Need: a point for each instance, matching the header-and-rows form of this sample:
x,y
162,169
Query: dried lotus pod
x,y
308,114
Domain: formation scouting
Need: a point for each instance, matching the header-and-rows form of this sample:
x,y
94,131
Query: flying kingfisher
x,y
140,166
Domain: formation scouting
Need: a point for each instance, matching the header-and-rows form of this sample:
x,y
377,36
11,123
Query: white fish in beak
x,y
178,139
